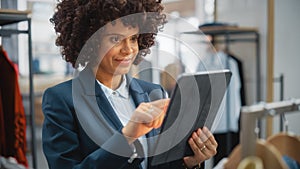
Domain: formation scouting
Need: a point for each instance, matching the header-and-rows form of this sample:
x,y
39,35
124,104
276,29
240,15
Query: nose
x,y
127,47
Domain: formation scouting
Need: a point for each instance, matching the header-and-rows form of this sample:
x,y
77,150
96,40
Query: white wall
x,y
286,54
253,13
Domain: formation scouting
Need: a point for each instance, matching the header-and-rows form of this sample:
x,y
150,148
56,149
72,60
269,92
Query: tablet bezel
x,y
215,90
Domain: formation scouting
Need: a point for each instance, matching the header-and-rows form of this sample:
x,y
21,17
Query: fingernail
x,y
205,129
199,131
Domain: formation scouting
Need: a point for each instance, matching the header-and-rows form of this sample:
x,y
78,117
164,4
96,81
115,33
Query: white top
x,y
124,107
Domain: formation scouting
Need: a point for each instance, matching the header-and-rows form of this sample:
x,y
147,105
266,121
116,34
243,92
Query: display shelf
x,y
221,30
8,17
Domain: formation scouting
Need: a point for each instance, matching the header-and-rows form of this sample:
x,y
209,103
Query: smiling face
x,y
119,47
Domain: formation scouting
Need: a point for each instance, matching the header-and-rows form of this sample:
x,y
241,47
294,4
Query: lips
x,y
124,60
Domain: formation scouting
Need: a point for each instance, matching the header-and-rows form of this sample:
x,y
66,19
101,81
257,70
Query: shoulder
x,y
60,91
145,85
61,87
154,91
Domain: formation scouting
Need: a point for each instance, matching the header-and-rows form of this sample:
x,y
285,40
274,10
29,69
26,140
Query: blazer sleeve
x,y
61,143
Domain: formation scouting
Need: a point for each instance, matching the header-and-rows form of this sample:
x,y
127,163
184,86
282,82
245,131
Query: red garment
x,y
13,136
2,127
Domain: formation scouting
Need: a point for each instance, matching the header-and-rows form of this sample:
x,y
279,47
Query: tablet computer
x,y
194,103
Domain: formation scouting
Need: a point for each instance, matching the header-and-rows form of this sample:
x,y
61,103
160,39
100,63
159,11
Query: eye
x,y
115,39
134,38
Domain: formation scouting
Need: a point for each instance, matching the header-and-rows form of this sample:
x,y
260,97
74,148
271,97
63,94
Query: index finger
x,y
210,136
162,103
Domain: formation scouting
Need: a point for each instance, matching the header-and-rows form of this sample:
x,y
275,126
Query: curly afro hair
x,y
75,21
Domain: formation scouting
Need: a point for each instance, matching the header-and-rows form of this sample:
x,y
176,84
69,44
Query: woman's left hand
x,y
203,145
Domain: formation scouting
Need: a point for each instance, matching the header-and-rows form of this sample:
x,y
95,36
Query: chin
x,y
122,71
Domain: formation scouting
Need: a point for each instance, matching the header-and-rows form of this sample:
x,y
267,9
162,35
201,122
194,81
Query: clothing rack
x,y
250,115
280,80
235,34
230,35
7,17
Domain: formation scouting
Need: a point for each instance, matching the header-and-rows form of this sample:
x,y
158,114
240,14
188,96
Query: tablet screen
x,y
194,103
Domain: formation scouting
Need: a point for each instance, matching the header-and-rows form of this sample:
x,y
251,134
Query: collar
x,y
85,80
121,91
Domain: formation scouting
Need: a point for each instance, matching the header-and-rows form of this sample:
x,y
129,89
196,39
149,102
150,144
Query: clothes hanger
x,y
234,158
269,155
286,143
251,162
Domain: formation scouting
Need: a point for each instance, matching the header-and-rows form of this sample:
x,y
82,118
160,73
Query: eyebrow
x,y
113,34
109,34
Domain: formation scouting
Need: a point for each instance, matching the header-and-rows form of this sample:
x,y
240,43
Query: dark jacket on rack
x,y
12,114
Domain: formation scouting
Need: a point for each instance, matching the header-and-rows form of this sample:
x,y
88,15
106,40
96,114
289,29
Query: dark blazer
x,y
69,144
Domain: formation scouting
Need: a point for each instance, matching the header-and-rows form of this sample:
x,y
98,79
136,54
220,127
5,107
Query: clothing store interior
x,y
257,124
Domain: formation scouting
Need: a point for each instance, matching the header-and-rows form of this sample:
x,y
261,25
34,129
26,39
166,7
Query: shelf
x,y
222,30
9,16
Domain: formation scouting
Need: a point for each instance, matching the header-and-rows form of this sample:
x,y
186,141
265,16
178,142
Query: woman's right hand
x,y
147,116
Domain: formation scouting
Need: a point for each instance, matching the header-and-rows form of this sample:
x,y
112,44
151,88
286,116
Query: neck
x,y
109,80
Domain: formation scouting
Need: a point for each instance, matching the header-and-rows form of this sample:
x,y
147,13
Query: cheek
x,y
107,53
136,51
108,57
136,48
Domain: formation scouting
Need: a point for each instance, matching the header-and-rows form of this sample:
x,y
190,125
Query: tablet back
x,y
194,103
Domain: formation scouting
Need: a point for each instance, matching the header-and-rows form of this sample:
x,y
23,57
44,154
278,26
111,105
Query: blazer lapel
x,y
107,111
139,96
106,108
136,91
87,76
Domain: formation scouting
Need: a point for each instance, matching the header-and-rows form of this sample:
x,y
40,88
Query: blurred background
x,y
256,39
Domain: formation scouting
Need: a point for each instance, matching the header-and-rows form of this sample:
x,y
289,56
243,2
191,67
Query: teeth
x,y
126,58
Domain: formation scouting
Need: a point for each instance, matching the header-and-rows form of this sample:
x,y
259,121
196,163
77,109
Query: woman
x,y
104,118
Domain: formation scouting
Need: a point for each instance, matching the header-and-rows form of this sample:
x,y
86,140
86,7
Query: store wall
x,y
286,44
252,14
286,55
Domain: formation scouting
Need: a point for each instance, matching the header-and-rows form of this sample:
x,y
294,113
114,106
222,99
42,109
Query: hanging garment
x,y
13,143
229,113
2,127
241,73
226,126
10,163
290,162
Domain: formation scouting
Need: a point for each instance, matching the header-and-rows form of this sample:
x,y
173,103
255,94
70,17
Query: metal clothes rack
x,y
280,79
8,16
251,114
232,34
229,33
